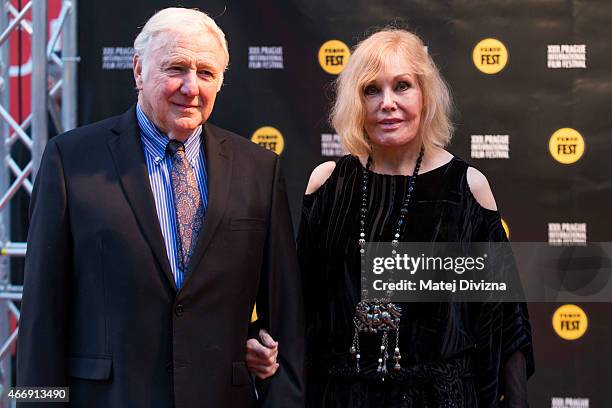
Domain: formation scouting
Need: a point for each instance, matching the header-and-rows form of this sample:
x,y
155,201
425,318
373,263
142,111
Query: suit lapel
x,y
128,156
219,169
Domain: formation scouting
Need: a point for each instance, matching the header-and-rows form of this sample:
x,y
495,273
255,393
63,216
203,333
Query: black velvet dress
x,y
452,353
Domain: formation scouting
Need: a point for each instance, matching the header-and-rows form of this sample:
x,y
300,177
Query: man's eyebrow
x,y
175,60
201,63
206,64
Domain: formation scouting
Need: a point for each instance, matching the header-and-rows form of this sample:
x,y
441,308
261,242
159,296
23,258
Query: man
x,y
152,236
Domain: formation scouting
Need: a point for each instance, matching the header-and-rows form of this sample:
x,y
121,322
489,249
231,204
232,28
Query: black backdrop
x,y
525,102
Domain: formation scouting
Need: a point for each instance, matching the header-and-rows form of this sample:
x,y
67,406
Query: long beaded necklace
x,y
380,315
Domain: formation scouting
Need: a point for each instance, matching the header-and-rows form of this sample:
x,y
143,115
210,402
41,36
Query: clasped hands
x,y
261,355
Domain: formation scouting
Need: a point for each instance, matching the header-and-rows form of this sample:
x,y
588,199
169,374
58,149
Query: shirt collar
x,y
155,141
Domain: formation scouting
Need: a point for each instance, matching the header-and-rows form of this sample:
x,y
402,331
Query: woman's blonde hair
x,y
370,57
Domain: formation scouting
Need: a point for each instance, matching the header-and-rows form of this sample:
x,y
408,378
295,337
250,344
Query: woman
x,y
392,115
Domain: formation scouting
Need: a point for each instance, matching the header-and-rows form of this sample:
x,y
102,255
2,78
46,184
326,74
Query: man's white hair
x,y
177,19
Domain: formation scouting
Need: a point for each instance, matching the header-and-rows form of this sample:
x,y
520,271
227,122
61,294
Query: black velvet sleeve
x,y
309,254
505,348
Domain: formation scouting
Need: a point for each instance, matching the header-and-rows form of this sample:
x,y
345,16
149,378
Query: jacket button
x,y
179,310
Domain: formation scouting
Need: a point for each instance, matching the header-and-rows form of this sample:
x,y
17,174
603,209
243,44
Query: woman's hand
x,y
261,355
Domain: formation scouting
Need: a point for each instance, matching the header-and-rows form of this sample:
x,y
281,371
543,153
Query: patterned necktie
x,y
187,202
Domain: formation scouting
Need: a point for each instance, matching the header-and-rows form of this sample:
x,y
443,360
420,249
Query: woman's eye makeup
x,y
370,90
400,86
403,85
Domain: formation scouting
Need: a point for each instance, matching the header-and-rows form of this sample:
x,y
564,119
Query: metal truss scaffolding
x,y
32,134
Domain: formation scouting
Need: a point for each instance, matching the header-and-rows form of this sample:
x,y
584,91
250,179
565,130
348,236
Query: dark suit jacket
x,y
101,313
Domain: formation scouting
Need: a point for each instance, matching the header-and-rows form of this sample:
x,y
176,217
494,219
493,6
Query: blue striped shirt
x,y
159,167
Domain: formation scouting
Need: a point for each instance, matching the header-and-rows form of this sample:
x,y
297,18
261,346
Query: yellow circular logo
x,y
506,229
566,145
270,138
570,322
490,56
333,56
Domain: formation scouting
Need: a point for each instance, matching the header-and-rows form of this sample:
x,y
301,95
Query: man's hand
x,y
261,355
